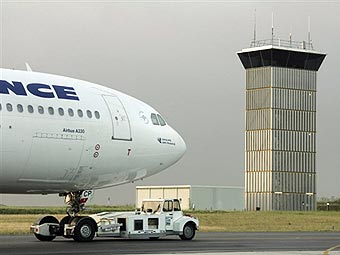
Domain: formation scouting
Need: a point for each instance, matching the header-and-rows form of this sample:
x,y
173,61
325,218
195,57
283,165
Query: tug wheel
x,y
84,229
43,220
65,220
188,231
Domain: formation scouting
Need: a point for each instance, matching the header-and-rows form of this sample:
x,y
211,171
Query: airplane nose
x,y
181,146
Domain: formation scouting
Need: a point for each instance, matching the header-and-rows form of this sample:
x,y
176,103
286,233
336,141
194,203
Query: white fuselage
x,y
59,134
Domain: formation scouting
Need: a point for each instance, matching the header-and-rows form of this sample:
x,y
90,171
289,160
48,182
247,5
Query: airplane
x,y
66,136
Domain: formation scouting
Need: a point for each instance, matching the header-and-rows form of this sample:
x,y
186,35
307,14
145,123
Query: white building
x,y
196,197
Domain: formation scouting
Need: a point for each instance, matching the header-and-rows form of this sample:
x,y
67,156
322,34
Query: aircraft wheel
x,y
84,230
188,231
46,219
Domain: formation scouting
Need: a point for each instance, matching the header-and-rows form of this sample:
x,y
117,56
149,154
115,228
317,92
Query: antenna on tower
x,y
309,39
254,26
272,27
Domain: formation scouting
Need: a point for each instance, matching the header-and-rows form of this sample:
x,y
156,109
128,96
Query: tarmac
x,y
204,244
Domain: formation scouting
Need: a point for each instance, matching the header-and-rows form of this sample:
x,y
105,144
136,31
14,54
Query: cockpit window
x,y
161,120
157,119
154,119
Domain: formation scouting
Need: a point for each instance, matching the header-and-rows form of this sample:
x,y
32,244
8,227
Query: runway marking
x,y
326,252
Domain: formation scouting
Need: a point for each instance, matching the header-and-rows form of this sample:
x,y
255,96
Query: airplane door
x,y
121,129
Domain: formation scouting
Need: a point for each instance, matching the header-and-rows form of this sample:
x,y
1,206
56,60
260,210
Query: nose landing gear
x,y
76,201
81,228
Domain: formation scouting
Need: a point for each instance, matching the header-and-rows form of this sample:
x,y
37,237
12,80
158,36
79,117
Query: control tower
x,y
280,136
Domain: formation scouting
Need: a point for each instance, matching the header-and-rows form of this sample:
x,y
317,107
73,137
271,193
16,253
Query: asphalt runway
x,y
237,243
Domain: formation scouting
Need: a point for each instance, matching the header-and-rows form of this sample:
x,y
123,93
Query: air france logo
x,y
38,89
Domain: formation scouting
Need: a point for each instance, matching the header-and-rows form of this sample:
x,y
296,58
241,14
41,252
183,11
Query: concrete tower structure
x,y
280,136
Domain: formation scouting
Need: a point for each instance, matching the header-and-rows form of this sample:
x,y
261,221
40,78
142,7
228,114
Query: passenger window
x,y
89,114
41,109
50,110
80,113
9,107
61,111
177,206
161,120
0,107
167,206
20,108
30,109
97,115
154,119
70,112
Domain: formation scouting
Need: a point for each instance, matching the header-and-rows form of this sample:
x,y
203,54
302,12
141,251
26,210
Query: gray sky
x,y
180,57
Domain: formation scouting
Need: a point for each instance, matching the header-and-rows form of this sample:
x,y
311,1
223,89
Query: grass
x,y
269,221
11,224
223,221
